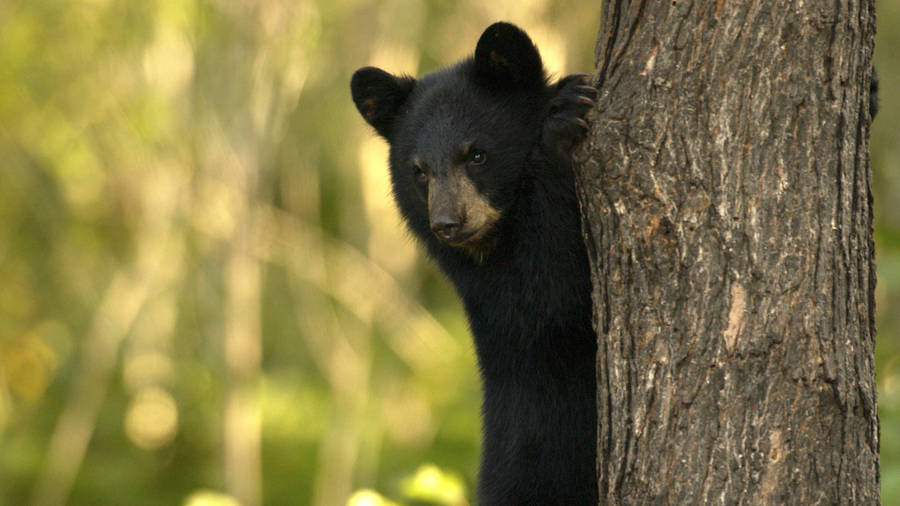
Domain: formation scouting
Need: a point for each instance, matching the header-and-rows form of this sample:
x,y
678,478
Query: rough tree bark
x,y
728,215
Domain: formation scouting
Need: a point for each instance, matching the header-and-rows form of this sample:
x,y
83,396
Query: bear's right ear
x,y
379,96
505,57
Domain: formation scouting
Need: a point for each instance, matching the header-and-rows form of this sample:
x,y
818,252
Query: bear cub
x,y
481,172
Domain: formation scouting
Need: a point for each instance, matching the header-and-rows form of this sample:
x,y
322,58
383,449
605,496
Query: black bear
x,y
481,172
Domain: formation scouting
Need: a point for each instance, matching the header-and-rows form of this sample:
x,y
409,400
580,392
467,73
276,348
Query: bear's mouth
x,y
462,236
477,243
461,241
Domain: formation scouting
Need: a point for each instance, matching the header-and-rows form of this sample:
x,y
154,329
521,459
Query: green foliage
x,y
207,296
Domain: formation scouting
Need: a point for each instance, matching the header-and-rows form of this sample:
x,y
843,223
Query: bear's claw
x,y
565,124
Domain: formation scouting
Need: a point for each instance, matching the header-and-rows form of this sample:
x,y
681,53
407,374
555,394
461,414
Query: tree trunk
x,y
728,215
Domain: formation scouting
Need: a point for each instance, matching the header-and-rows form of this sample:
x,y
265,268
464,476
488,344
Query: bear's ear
x,y
505,57
379,97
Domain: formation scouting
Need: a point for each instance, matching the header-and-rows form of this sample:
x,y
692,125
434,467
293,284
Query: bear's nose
x,y
445,227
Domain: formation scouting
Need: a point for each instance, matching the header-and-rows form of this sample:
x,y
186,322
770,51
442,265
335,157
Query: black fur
x,y
526,287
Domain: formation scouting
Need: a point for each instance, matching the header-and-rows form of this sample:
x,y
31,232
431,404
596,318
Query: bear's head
x,y
460,138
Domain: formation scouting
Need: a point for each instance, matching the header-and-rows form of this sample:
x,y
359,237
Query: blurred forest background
x,y
206,296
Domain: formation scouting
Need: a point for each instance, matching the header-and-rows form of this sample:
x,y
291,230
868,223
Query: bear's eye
x,y
477,157
420,175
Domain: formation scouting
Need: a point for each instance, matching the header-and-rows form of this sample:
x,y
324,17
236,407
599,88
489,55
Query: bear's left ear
x,y
505,57
379,96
